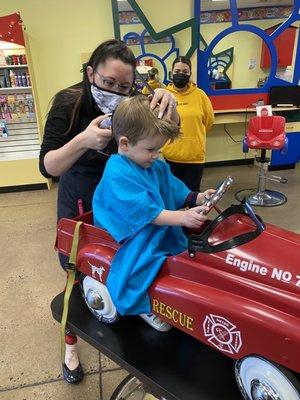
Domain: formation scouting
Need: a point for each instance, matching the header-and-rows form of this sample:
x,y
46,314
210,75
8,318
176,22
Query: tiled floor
x,y
31,277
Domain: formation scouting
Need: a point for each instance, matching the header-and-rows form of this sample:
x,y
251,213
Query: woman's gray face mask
x,y
106,101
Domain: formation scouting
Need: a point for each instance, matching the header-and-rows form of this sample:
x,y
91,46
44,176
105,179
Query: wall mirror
x,y
155,31
264,37
250,64
240,47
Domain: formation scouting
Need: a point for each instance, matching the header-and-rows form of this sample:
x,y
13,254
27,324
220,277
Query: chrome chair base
x,y
266,198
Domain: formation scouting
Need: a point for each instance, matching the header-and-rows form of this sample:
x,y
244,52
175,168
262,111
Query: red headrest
x,y
266,132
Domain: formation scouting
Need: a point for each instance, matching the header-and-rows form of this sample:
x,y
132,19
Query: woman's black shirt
x,y
80,181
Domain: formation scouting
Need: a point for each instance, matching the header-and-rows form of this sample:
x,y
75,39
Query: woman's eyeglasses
x,y
113,85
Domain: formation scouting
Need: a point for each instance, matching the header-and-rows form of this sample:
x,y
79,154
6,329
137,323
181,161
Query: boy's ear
x,y
123,143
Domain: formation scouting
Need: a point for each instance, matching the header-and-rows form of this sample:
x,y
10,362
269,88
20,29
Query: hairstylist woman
x,y
186,155
76,147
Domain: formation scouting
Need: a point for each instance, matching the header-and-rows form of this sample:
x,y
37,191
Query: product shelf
x,y
17,89
13,66
21,126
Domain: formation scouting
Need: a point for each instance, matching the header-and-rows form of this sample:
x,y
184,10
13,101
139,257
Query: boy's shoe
x,y
156,322
72,376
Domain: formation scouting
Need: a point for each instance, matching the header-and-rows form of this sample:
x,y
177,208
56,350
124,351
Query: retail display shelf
x,y
22,141
13,66
16,89
19,123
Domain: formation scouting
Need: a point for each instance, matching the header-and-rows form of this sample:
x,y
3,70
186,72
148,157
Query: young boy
x,y
140,203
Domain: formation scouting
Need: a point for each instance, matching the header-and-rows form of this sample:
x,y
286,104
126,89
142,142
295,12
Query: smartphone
x,y
215,197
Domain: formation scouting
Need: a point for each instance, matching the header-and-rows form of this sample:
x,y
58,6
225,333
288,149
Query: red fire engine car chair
x,y
265,133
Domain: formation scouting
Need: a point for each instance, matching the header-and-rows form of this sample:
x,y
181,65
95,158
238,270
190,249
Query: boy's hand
x,y
203,196
192,218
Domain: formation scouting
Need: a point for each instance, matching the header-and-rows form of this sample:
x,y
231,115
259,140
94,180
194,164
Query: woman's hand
x,y
94,137
204,196
60,160
167,104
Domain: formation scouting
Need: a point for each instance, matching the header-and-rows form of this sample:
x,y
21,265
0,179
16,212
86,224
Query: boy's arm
x,y
167,217
191,200
197,198
191,218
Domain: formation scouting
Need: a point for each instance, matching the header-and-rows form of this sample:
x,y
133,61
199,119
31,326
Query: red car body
x,y
242,301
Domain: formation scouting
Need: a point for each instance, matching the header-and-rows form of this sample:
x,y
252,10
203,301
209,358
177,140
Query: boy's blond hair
x,y
134,119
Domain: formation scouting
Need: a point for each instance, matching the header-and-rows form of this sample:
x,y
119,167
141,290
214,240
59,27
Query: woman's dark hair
x,y
79,96
183,60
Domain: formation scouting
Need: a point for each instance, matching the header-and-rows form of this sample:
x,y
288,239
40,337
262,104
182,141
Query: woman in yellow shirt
x,y
186,155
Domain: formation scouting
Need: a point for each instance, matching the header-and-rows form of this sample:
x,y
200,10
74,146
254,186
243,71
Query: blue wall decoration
x,y
204,55
204,51
143,53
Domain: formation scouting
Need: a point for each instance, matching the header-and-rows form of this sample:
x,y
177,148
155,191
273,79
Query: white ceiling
x,y
209,5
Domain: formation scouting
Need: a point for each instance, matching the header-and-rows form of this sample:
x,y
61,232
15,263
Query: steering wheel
x,y
212,200
200,242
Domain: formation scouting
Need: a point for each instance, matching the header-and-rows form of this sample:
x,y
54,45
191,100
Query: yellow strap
x,y
71,271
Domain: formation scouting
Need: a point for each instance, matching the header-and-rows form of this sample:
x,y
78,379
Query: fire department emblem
x,y
222,334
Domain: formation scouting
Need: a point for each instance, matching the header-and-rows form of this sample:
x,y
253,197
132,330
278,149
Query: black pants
x,y
190,174
75,184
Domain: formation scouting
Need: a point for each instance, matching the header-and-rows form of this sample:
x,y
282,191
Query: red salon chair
x,y
264,133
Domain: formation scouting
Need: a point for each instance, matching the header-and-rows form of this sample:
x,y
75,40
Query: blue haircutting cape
x,y
126,201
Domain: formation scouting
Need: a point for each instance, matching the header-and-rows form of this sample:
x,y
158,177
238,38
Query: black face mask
x,y
181,80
